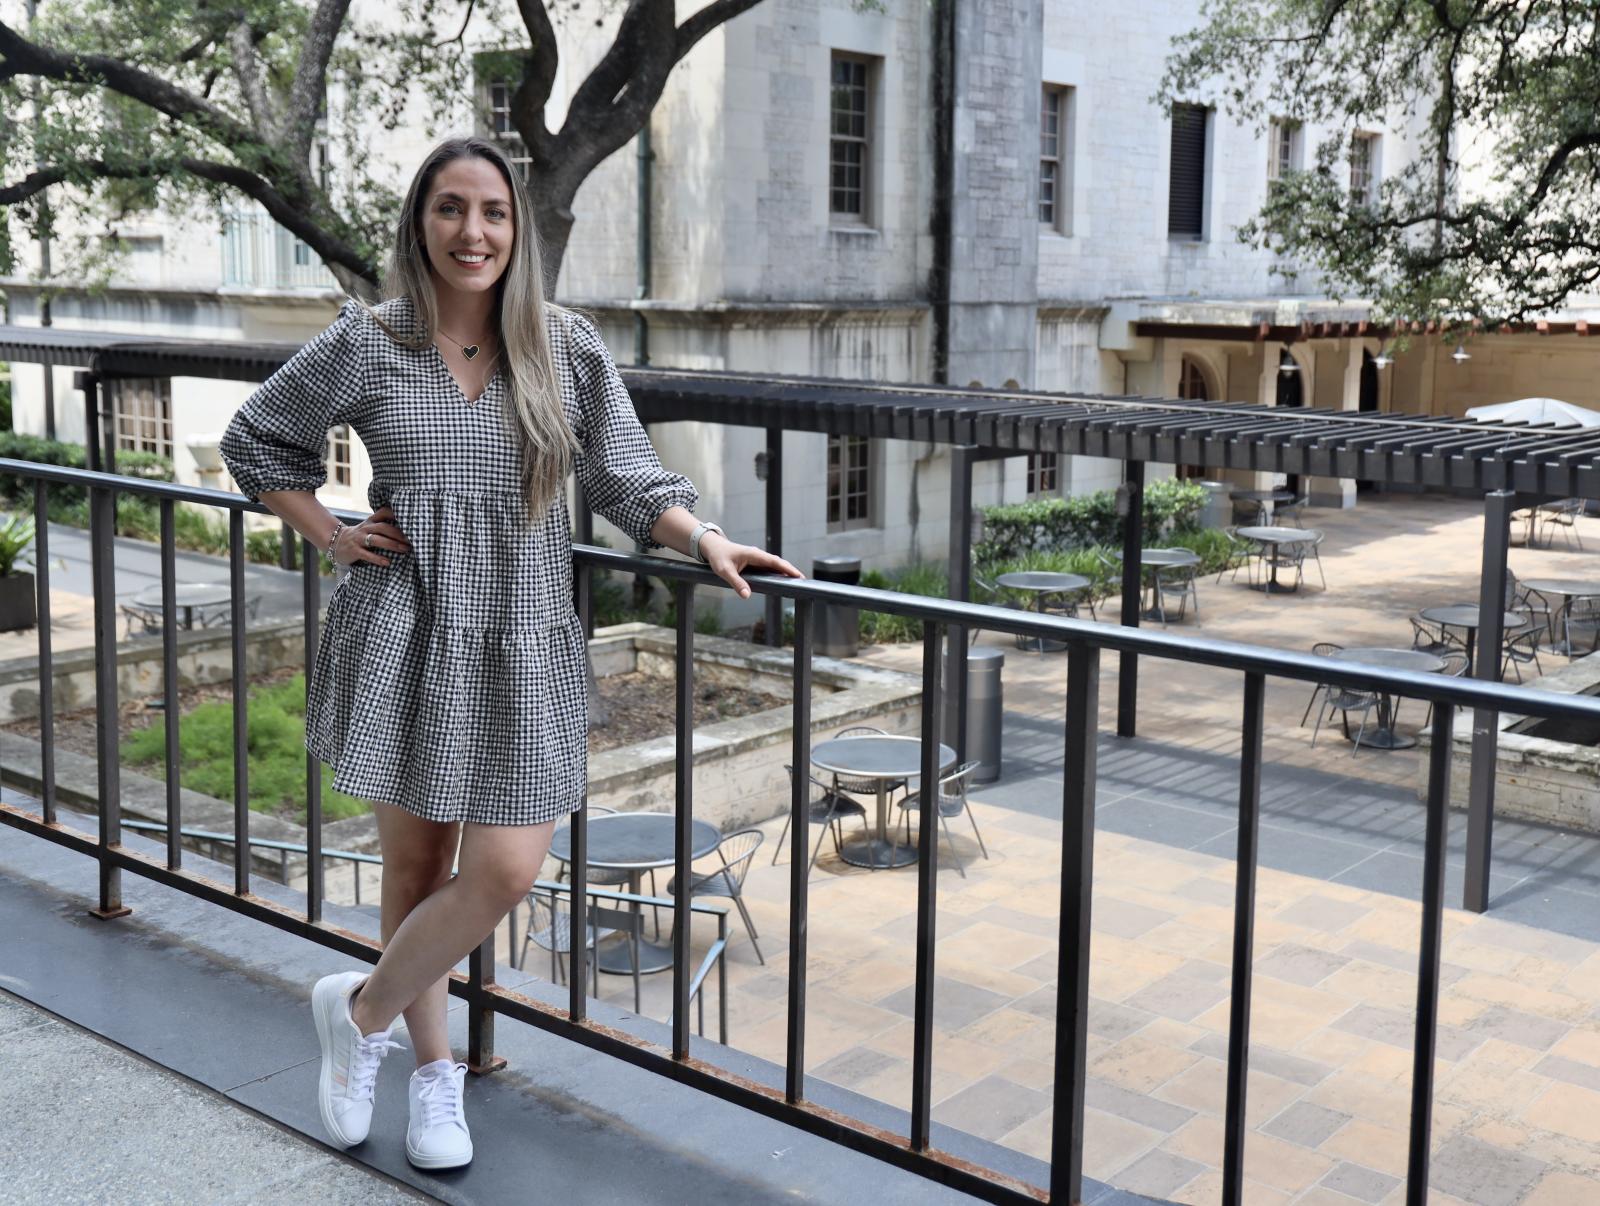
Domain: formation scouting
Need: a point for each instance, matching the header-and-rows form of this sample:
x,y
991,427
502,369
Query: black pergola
x,y
1508,465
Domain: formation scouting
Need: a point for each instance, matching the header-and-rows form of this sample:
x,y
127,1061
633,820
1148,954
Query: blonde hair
x,y
538,422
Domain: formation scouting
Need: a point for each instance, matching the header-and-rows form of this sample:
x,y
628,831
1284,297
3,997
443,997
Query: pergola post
x,y
1131,500
583,533
1497,507
962,457
774,470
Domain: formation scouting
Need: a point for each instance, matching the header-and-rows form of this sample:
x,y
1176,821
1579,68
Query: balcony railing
x,y
942,620
257,253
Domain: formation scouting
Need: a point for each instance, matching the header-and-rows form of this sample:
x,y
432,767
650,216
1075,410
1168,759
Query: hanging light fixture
x,y
1286,361
1461,355
1382,360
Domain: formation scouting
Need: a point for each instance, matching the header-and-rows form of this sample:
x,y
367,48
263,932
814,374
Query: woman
x,y
449,686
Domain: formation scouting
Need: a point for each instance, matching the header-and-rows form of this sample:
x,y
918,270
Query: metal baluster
x,y
311,606
102,541
683,803
1244,915
241,721
794,1084
1439,757
171,705
47,719
481,1058
1072,954
578,868
927,889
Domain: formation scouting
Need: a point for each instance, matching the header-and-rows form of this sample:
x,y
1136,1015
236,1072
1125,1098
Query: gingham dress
x,y
452,682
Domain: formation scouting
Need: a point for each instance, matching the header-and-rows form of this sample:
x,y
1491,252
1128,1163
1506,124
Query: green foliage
x,y
1514,82
1082,521
16,537
276,717
5,400
881,627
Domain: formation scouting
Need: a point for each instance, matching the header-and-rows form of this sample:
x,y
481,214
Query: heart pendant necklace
x,y
469,350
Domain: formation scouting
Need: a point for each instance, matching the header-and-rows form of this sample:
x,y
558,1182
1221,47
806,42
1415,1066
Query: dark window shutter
x,y
1186,196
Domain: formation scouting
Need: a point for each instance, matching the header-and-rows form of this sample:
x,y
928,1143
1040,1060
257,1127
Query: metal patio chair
x,y
1521,648
1321,649
1314,551
863,787
737,851
1241,554
1343,700
550,927
826,807
952,803
1564,515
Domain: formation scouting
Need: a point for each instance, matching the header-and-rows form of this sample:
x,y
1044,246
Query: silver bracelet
x,y
338,527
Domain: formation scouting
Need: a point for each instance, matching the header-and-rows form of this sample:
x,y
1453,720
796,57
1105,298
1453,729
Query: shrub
x,y
276,718
1083,521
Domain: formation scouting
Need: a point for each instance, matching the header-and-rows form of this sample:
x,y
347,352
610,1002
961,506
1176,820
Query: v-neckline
x,y
461,393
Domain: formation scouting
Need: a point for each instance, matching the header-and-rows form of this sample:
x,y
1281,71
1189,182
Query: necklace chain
x,y
457,342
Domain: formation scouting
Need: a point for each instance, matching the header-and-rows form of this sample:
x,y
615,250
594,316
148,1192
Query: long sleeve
x,y
278,440
622,477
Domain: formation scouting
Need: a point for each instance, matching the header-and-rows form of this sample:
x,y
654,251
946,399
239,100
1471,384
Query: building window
x,y
849,483
142,411
1186,189
1043,473
848,149
339,456
1283,148
1055,159
1192,382
497,96
1363,169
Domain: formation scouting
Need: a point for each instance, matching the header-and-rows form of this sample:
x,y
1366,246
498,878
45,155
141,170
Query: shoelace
x,y
440,1097
364,1060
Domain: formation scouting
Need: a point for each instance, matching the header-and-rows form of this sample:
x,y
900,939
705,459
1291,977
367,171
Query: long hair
x,y
543,436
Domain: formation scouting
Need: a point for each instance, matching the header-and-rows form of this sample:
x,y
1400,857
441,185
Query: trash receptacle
x,y
836,631
1218,509
984,706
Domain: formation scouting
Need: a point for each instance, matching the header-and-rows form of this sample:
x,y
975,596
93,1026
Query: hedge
x,y
1011,530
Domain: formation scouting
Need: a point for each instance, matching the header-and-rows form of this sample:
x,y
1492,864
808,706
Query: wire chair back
x,y
737,851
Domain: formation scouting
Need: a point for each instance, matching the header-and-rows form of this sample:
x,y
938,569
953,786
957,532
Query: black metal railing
x,y
942,619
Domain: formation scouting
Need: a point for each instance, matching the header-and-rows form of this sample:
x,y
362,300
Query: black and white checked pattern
x,y
451,683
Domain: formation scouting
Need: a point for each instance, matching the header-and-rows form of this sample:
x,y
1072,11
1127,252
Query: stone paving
x,y
1517,1108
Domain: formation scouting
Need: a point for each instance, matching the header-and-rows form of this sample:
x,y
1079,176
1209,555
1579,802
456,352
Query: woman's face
x,y
467,225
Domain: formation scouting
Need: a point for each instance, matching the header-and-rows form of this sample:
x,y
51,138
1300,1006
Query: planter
x,y
17,604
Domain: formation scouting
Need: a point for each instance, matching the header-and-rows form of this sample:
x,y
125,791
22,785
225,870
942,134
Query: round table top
x,y
1043,581
876,757
1465,615
1270,535
1262,495
636,841
187,594
1575,588
1168,557
1394,659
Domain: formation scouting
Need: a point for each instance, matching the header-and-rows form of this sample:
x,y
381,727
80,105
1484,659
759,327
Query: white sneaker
x,y
349,1060
437,1137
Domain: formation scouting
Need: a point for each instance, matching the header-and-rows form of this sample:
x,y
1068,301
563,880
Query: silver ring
x,y
366,541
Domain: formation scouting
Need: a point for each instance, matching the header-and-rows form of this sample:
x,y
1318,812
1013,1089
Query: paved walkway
x,y
88,1121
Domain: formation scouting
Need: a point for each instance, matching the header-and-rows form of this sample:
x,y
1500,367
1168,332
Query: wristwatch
x,y
694,538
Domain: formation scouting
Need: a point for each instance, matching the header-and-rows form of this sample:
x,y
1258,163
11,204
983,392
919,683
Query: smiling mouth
x,y
463,257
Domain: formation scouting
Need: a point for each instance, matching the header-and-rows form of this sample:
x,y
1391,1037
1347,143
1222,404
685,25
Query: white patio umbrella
x,y
1536,410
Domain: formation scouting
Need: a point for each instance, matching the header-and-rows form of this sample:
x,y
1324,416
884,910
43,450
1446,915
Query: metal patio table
x,y
186,597
1385,737
1040,583
1260,498
1569,589
884,760
1157,560
636,842
1272,537
1465,616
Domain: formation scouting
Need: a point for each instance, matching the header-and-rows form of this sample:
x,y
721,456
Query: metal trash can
x,y
984,700
836,631
1217,512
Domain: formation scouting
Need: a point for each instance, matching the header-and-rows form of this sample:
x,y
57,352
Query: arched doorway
x,y
1193,387
1291,392
1368,401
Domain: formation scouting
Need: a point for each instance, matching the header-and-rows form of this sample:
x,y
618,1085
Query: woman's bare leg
x,y
417,858
498,866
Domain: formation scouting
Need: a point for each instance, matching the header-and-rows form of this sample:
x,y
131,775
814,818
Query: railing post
x,y
1072,954
583,584
1131,497
962,457
47,672
171,701
102,543
311,606
773,612
794,1084
481,1058
1244,915
1428,958
241,705
90,385
1497,507
927,888
683,814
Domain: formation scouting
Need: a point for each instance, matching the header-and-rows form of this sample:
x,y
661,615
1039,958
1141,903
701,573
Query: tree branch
x,y
22,57
538,78
310,76
707,19
247,68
